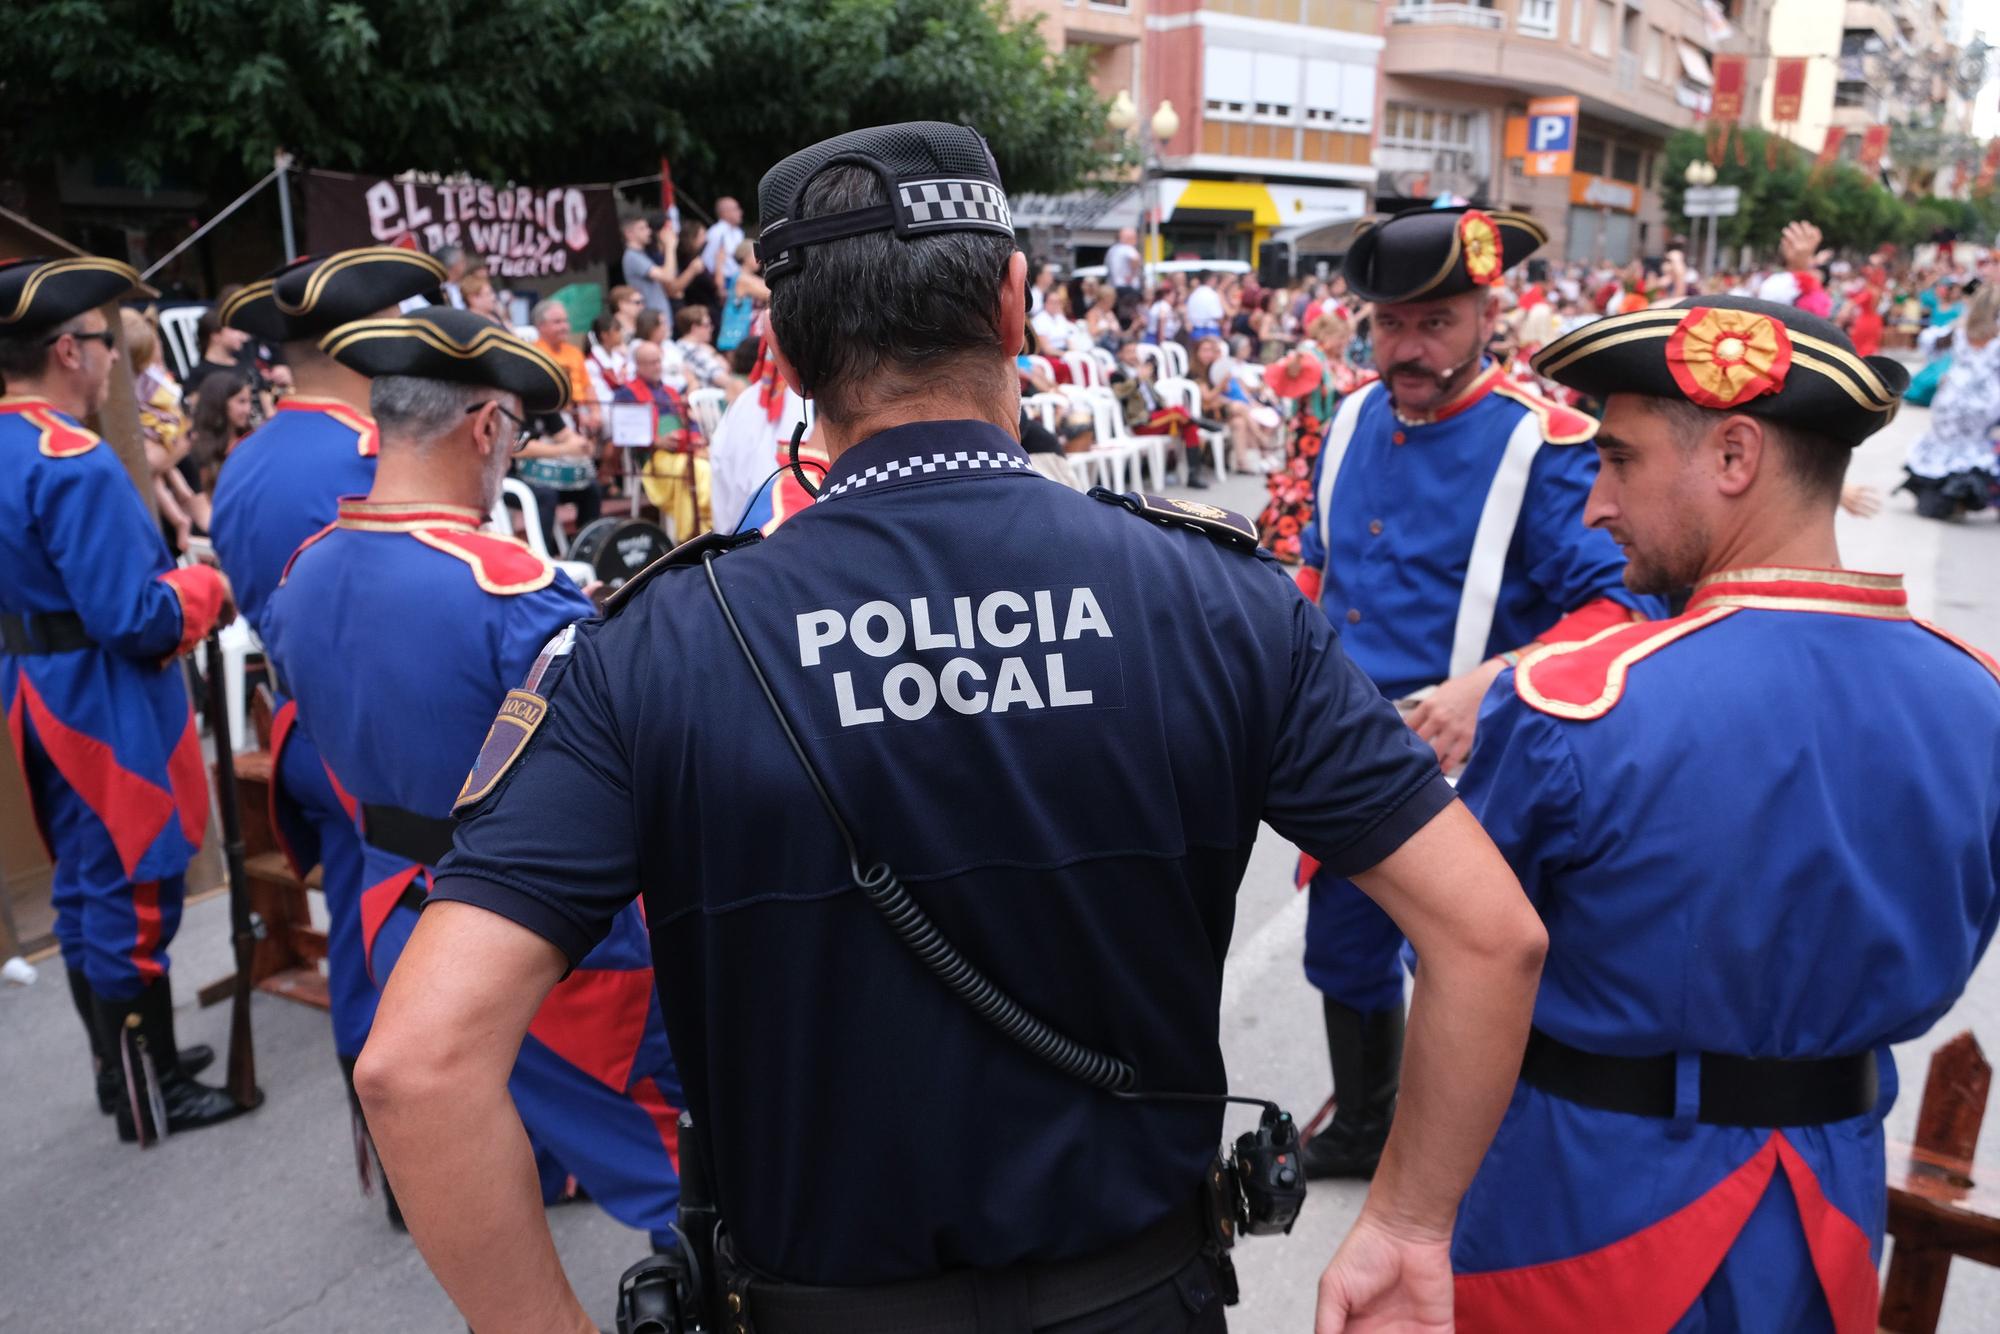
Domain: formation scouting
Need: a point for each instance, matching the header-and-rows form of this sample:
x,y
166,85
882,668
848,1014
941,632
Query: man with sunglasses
x,y
93,614
399,718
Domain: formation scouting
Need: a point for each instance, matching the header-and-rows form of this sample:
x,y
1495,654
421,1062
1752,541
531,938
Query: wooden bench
x,y
289,954
1938,1209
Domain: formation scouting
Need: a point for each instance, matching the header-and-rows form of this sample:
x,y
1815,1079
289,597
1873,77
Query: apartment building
x,y
1856,52
1456,75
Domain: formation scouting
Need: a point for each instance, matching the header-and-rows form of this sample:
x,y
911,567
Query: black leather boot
x,y
364,1149
194,1059
1367,1055
159,1098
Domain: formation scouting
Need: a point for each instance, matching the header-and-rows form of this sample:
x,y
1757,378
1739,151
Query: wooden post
x,y
1936,1210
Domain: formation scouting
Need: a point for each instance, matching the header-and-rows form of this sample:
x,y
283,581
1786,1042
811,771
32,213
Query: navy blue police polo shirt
x,y
1060,722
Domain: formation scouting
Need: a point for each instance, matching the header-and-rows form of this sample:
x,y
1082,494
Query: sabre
x,y
244,927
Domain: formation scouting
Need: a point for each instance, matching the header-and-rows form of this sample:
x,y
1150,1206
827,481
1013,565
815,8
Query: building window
x,y
1656,41
1850,93
1590,156
1217,110
1625,164
1459,138
1537,18
1600,33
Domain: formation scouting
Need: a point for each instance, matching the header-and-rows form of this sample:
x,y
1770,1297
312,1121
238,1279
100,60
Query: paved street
x,y
257,1226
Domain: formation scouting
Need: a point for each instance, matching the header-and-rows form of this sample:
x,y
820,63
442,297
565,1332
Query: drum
x,y
616,549
564,474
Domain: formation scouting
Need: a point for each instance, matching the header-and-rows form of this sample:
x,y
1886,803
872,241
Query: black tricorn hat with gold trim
x,y
444,343
317,293
1427,254
1734,354
38,294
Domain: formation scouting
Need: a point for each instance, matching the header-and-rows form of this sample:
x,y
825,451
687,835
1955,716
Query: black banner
x,y
517,231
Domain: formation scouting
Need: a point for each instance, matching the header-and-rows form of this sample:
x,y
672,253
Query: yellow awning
x,y
1236,196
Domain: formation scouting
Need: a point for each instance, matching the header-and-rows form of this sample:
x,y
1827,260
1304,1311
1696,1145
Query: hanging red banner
x,y
1990,166
1874,144
1731,72
1830,150
1788,88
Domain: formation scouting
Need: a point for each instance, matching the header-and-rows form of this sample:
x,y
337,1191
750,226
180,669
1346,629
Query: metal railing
x,y
1449,15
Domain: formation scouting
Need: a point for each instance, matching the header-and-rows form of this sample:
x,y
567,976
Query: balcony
x,y
1362,16
1614,86
1422,13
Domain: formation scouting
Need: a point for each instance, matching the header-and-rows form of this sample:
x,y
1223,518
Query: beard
x,y
1669,566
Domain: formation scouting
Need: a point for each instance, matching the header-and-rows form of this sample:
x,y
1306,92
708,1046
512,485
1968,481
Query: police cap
x,y
38,294
939,178
315,294
1734,354
457,346
1427,254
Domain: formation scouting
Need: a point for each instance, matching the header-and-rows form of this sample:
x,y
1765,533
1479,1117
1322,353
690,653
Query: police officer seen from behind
x,y
1060,720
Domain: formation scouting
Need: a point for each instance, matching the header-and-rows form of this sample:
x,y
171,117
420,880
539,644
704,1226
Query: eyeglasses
x,y
520,426
104,336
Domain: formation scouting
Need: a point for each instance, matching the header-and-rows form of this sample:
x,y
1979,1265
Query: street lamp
x,y
1159,129
1700,175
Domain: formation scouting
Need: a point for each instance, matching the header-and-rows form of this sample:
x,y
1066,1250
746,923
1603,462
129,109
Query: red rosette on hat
x,y
1722,358
1479,243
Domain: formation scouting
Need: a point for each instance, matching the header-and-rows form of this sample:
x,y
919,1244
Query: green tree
x,y
206,91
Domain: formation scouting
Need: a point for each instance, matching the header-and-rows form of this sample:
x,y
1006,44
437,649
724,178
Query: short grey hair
x,y
543,307
421,411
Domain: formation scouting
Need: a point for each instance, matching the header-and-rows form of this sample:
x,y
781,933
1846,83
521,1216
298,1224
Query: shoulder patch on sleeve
x,y
1979,655
1560,425
521,713
502,565
60,439
1223,525
689,552
1585,679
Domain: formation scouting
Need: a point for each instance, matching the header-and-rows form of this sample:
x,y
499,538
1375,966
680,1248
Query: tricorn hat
x,y
314,294
457,346
1427,254
38,294
1734,354
938,177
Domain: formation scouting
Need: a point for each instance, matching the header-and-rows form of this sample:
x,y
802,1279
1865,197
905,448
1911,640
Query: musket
x,y
244,928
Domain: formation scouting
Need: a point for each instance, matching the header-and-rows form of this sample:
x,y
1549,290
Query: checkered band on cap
x,y
939,203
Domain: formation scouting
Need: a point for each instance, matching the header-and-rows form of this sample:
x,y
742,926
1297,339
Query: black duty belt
x,y
413,837
1735,1090
952,1303
44,632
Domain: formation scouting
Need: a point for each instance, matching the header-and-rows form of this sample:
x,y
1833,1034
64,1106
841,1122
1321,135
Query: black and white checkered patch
x,y
964,460
948,204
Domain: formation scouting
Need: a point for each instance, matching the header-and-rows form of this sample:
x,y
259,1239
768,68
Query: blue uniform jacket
x,y
1060,722
113,719
400,728
1389,549
1767,828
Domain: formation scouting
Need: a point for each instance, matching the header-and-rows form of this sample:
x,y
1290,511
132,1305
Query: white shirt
x,y
1121,265
1163,321
1053,331
719,255
1204,307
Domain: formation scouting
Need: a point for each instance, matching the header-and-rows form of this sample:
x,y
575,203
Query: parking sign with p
x,y
1551,146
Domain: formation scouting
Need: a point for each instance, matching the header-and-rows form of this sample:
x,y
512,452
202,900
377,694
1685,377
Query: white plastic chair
x,y
177,331
707,406
1151,354
238,642
1048,409
1177,358
513,488
1083,370
1107,364
1042,366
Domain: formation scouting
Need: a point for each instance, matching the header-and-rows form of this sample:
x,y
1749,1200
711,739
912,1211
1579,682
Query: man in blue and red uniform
x,y
1447,533
1760,858
279,486
594,1080
93,615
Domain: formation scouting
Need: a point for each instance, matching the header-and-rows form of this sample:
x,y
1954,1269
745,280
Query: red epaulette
x,y
1560,425
60,439
1581,681
501,565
